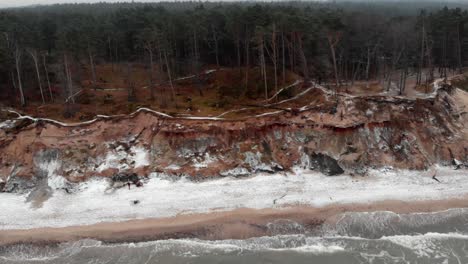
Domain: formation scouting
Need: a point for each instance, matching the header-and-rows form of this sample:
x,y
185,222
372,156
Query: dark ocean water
x,y
379,237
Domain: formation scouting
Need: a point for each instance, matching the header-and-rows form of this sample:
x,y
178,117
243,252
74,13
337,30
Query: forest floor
x,y
215,93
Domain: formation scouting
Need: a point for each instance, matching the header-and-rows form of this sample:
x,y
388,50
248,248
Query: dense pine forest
x,y
49,53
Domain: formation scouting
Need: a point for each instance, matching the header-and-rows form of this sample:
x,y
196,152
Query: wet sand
x,y
236,224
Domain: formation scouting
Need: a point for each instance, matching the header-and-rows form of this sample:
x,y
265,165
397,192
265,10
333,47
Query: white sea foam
x,y
424,248
426,245
298,243
317,249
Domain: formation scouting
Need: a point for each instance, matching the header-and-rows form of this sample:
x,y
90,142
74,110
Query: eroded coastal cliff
x,y
334,133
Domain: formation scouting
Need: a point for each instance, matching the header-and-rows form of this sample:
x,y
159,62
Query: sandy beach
x,y
236,224
223,208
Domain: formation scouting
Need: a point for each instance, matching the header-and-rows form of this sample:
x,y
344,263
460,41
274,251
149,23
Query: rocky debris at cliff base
x,y
125,177
236,172
16,184
458,164
325,164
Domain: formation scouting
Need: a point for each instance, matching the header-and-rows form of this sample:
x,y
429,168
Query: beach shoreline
x,y
241,223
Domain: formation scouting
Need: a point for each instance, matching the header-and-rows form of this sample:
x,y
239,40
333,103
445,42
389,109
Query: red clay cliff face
x,y
352,133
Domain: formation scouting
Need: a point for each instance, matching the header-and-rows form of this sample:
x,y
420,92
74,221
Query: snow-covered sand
x,y
160,197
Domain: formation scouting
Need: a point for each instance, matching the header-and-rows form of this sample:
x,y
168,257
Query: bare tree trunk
x,y
369,56
333,41
400,83
403,76
346,71
238,53
460,71
368,64
69,79
168,68
33,54
215,38
161,63
292,52
421,60
131,97
116,56
247,62
195,48
275,57
13,81
150,52
395,60
340,68
383,69
93,69
430,62
18,72
261,47
196,62
47,76
305,68
283,57
264,74
162,97
389,78
110,52
444,52
355,73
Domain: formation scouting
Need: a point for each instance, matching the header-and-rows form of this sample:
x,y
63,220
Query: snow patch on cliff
x,y
122,159
50,166
203,162
7,124
140,157
111,160
54,180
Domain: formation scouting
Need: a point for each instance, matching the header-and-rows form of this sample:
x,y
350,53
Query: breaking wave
x,y
426,248
384,223
379,237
